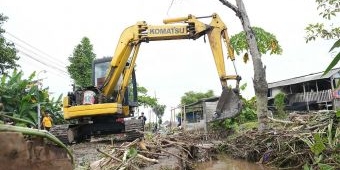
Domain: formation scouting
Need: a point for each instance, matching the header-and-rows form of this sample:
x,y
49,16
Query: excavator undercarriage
x,y
76,133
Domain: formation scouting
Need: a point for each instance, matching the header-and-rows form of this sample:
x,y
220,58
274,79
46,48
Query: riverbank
x,y
301,141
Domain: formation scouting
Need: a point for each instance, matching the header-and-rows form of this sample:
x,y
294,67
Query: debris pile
x,y
177,151
311,139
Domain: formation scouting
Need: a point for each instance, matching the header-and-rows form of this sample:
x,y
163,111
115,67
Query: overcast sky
x,y
167,68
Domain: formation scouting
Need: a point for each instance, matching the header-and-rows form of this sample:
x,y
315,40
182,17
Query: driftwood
x,y
108,155
183,147
147,159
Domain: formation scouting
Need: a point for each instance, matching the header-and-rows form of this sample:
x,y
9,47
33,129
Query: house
x,y
198,114
308,92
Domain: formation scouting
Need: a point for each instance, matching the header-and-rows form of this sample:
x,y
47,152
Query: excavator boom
x,y
189,27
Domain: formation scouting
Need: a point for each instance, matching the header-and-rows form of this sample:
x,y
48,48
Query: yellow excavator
x,y
102,109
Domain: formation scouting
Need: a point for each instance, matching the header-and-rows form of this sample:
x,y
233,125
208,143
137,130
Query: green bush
x,y
279,103
248,114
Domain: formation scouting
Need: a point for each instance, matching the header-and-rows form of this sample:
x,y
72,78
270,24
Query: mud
x,y
225,162
85,153
30,153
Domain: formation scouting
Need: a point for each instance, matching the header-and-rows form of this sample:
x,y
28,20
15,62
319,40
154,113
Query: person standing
x,y
47,122
142,117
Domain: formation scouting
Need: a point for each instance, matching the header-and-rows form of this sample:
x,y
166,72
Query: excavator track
x,y
134,129
60,131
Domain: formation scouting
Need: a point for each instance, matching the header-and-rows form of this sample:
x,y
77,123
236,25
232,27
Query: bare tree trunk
x,y
260,82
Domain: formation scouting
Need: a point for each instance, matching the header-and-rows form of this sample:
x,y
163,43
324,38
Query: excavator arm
x,y
189,27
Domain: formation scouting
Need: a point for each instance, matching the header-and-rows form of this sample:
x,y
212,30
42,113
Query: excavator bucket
x,y
229,105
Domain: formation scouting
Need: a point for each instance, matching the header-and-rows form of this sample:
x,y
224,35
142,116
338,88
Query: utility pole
x,y
39,116
40,83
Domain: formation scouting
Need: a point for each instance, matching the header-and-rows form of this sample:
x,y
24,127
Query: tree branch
x,y
231,6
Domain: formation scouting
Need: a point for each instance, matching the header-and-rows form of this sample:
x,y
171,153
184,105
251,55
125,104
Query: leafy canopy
x,y
328,11
159,109
144,99
8,53
265,42
328,29
80,68
192,97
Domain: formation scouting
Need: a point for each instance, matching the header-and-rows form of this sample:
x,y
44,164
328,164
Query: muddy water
x,y
227,163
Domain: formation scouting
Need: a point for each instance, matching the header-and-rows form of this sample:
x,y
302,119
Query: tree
x,y
144,99
192,97
259,80
8,53
328,11
80,68
159,111
266,42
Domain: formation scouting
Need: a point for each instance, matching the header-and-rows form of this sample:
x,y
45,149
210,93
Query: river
x,y
226,163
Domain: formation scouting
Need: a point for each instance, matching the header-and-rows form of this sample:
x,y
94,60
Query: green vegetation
x,y
8,53
21,97
314,144
144,99
246,117
80,68
279,103
328,11
324,146
159,111
265,41
192,97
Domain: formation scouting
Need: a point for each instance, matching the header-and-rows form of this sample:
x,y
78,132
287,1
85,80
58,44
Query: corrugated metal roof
x,y
305,78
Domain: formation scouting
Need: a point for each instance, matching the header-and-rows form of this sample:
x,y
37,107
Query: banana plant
x,y
21,98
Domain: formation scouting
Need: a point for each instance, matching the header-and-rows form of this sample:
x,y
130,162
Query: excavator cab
x,y
99,71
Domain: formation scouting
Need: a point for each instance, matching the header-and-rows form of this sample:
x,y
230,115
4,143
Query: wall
x,y
208,111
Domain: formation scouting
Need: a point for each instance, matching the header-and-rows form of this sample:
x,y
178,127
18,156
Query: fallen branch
x,y
132,143
152,153
147,159
280,121
108,155
316,126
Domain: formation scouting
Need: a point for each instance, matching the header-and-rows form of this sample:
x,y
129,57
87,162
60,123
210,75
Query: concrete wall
x,y
208,111
275,91
199,126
